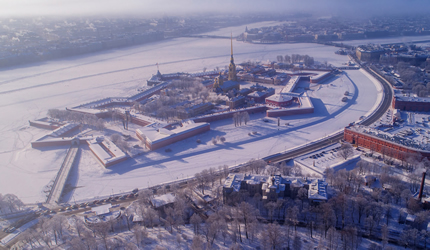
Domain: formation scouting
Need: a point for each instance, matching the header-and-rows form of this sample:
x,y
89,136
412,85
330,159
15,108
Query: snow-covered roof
x,y
163,200
106,217
275,182
154,134
103,209
411,217
399,138
105,150
279,98
229,85
64,129
320,75
317,190
291,85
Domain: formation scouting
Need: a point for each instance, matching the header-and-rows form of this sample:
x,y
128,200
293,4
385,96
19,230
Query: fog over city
x,y
350,8
223,124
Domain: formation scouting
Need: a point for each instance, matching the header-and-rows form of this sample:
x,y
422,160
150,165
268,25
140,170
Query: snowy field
x,y
27,92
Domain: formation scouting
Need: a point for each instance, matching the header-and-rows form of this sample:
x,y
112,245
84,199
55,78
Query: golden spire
x,y
231,38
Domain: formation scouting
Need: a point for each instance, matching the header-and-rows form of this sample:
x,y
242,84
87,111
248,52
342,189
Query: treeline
x,y
87,119
240,117
10,203
176,98
296,58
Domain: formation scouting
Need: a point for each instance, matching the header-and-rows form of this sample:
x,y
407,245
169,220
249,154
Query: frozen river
x,y
27,92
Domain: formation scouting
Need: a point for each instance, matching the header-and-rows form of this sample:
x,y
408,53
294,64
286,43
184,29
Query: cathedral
x,y
232,67
232,82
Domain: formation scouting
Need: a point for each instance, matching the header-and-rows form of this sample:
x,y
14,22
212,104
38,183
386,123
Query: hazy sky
x,y
136,7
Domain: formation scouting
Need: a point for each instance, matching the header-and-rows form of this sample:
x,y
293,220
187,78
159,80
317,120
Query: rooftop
x,y
401,137
163,200
154,134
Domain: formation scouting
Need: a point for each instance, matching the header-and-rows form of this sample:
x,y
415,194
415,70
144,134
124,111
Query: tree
x,y
270,206
297,242
201,181
328,217
293,216
139,234
196,220
78,224
247,214
245,116
272,237
345,151
256,165
12,202
370,224
197,243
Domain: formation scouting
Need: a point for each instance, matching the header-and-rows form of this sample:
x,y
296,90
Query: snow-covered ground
x,y
27,92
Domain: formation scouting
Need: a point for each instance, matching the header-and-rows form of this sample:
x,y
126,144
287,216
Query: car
x,y
130,196
75,206
61,209
123,197
83,205
135,190
52,212
69,208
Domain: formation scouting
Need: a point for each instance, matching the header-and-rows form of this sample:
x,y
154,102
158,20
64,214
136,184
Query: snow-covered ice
x,y
27,92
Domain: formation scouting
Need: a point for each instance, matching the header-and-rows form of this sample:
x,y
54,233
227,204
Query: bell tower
x,y
232,67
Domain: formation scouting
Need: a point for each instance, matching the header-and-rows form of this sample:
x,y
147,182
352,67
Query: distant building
x,y
369,53
162,201
272,188
235,102
280,100
411,103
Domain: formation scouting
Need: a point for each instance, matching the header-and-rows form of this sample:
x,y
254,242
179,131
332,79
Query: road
x,y
386,103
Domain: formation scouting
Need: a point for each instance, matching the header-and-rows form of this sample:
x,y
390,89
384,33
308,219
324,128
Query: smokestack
x,y
420,194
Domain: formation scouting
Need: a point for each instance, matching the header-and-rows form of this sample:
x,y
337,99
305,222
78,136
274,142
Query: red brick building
x,y
360,136
411,103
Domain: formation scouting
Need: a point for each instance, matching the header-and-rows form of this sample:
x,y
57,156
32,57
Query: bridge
x,y
209,36
63,174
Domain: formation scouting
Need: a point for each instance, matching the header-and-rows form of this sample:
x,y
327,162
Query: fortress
x,y
191,116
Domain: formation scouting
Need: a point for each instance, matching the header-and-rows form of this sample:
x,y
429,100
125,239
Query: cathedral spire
x,y
232,67
231,39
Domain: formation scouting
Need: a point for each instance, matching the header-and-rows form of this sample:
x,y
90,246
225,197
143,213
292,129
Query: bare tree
x,y
273,237
248,214
78,224
302,195
196,221
197,243
257,165
345,151
245,116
